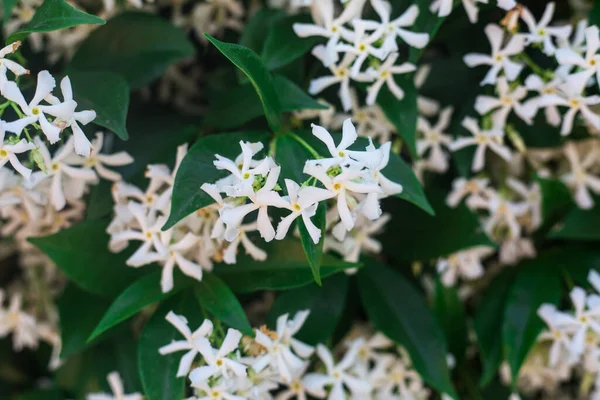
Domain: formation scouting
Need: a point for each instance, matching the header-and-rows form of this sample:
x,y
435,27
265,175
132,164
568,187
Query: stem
x,y
307,146
21,115
536,68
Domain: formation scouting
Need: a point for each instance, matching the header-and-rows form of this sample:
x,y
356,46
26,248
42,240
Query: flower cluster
x,y
233,366
350,178
353,42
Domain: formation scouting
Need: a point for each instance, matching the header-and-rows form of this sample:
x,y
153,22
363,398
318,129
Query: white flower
x,y
466,264
216,392
541,32
499,60
590,63
349,136
8,152
462,187
483,139
230,253
337,375
9,65
384,74
393,29
173,253
243,170
426,106
99,161
573,98
376,160
118,392
62,173
189,344
444,8
34,112
534,82
329,27
14,320
557,334
532,196
502,213
302,201
579,179
218,364
508,100
587,311
359,240
434,138
340,73
362,47
262,199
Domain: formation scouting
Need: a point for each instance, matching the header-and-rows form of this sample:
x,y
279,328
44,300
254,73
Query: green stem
x,y
307,146
536,68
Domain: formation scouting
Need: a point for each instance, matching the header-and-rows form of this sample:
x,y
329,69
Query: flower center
x,y
499,57
35,111
149,235
246,175
574,103
337,187
341,73
362,47
54,167
219,362
296,207
3,153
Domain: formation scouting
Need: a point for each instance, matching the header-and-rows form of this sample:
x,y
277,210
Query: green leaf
x,y
78,312
197,168
291,157
285,268
52,15
314,252
594,17
402,113
255,32
7,8
283,46
325,303
214,295
143,292
107,94
580,224
399,311
414,235
242,104
537,282
81,252
157,372
426,22
488,324
251,65
556,199
450,313
41,394
137,45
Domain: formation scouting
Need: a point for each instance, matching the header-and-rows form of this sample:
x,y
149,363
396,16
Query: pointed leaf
x,y
314,252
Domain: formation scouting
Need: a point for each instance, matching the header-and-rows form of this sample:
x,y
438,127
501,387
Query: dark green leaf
x,y
137,45
79,313
556,199
41,394
537,282
7,8
580,224
256,29
413,234
402,113
158,372
488,324
81,252
314,252
52,16
399,311
285,268
197,168
107,94
294,98
214,295
141,293
325,303
291,156
450,313
283,45
251,65
594,17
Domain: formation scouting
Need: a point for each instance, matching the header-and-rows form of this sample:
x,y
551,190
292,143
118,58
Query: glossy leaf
x,y
314,252
556,200
285,268
414,235
580,224
325,303
141,293
78,312
450,313
291,156
215,296
283,46
256,30
137,45
399,311
157,372
197,168
107,94
251,65
7,8
82,253
52,15
488,324
402,113
537,282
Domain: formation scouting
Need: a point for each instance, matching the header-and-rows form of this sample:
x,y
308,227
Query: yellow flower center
x,y
54,167
246,175
35,111
296,207
337,186
3,153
